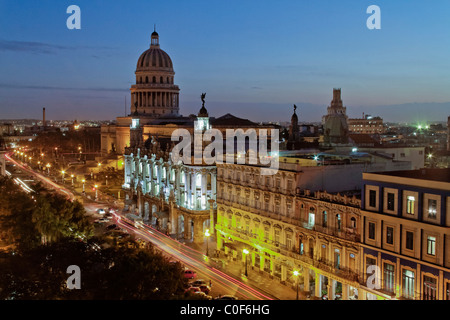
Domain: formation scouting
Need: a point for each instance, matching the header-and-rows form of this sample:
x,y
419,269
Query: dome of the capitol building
x,y
155,94
154,58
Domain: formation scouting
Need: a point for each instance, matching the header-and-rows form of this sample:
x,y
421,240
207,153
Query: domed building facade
x,y
155,93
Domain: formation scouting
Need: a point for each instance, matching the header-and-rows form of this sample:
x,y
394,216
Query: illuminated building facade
x,y
285,228
174,197
406,233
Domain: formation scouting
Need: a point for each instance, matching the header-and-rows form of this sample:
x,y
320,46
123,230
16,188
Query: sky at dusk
x,y
254,59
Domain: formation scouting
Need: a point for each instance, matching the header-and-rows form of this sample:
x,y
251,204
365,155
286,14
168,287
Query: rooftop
x,y
432,174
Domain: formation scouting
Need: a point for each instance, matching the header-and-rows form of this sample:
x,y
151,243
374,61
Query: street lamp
x,y
296,274
207,234
72,178
96,192
63,172
246,253
48,168
83,184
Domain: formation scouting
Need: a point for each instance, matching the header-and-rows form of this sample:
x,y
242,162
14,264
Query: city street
x,y
205,268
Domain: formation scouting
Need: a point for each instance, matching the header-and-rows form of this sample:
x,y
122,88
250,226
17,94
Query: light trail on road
x,y
69,194
192,258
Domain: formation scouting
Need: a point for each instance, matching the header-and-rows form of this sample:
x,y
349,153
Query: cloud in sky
x,y
42,47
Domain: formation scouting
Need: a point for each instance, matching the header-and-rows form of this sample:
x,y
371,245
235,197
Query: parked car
x,y
111,226
189,274
101,211
192,289
198,283
204,288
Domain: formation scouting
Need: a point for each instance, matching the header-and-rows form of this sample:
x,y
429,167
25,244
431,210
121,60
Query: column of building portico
x,y
211,216
187,184
198,231
262,261
193,191
362,294
187,228
173,218
318,285
283,273
306,279
331,289
203,191
344,291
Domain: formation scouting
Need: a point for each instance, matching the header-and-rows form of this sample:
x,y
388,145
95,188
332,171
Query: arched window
x,y
146,79
338,222
154,79
161,80
353,222
324,219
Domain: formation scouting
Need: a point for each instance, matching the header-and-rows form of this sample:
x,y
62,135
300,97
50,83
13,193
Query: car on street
x,y
192,289
198,283
111,226
101,211
204,288
190,274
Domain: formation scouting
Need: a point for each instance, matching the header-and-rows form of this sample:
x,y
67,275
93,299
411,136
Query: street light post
x,y
63,172
296,273
72,179
207,234
83,184
246,253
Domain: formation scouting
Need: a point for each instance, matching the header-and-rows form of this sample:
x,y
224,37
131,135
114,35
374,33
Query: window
x,y
266,233
389,277
409,240
324,219
372,230
429,288
410,201
288,240
431,245
338,222
372,198
391,201
390,235
277,236
408,284
432,205
353,222
311,218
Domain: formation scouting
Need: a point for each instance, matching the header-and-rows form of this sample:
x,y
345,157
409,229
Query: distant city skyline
x,y
253,59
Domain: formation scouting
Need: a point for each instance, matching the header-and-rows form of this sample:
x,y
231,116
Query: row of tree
x,y
43,234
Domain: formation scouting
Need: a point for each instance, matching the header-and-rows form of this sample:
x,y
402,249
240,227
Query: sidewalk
x,y
256,279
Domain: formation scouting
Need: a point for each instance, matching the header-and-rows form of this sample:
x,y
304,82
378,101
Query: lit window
x,y
410,204
432,205
431,245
